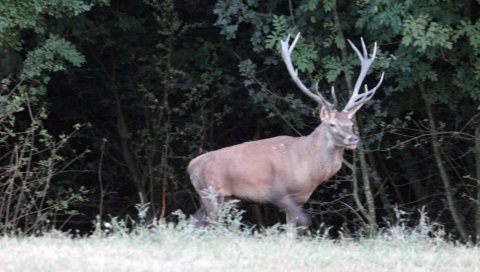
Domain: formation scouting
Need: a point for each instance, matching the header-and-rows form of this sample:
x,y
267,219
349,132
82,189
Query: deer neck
x,y
324,157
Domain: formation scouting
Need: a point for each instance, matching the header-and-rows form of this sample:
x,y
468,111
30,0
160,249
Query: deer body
x,y
260,171
284,170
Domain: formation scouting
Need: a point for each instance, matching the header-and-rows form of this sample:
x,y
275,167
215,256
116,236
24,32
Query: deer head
x,y
338,123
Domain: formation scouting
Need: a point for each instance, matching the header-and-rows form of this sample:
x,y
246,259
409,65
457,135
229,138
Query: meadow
x,y
180,247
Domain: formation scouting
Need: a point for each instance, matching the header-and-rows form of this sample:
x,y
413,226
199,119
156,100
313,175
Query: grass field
x,y
184,249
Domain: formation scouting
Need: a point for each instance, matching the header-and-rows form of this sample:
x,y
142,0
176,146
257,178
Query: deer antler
x,y
357,100
287,50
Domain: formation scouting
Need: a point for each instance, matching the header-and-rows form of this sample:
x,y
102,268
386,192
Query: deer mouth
x,y
351,146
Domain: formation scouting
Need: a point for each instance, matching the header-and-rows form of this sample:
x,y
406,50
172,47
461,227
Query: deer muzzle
x,y
351,142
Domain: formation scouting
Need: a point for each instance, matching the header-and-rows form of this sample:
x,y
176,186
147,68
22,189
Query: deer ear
x,y
353,110
324,113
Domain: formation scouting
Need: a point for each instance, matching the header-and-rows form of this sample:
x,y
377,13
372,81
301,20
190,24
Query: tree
x,y
153,84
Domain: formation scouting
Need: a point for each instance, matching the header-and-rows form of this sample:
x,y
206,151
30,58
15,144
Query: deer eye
x,y
332,125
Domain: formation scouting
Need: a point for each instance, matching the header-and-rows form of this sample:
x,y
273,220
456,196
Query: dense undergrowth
x,y
105,101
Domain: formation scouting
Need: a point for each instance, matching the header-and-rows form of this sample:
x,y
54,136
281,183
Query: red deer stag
x,y
283,170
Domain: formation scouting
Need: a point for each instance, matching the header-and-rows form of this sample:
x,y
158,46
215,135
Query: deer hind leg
x,y
201,215
200,218
210,199
208,209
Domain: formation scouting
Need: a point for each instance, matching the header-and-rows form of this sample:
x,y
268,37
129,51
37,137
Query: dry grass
x,y
171,249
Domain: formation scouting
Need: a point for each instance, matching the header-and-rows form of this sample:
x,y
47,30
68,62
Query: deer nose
x,y
353,140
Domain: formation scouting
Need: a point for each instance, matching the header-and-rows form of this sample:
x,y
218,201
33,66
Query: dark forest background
x,y
103,103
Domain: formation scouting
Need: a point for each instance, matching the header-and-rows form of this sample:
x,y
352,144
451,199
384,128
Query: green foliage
x,y
384,17
280,32
52,56
29,197
230,14
423,32
35,159
328,5
247,70
471,31
160,82
310,5
334,68
30,15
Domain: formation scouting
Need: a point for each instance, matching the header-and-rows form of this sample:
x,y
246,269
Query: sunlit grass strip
x,y
172,249
227,245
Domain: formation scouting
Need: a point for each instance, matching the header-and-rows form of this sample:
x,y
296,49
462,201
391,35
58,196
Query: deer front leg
x,y
296,217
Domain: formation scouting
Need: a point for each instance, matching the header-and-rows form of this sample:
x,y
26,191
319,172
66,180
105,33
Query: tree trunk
x,y
441,169
477,179
122,131
380,188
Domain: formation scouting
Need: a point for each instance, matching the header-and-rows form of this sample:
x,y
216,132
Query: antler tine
x,y
294,43
365,96
287,50
360,56
374,53
364,47
334,97
356,99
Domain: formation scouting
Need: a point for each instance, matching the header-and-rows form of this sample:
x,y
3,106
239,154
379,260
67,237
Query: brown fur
x,y
282,170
